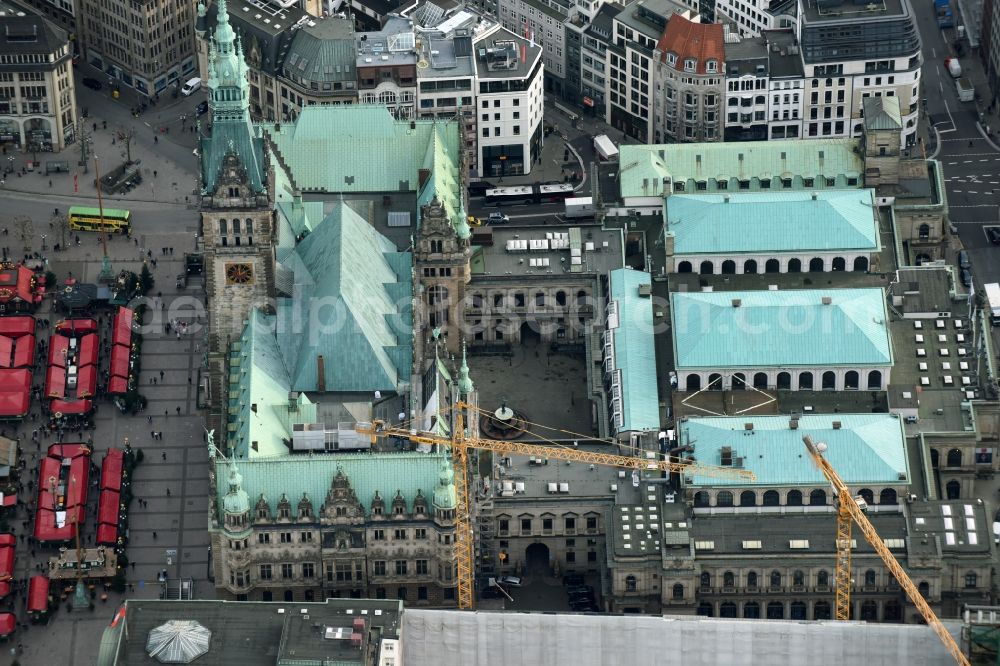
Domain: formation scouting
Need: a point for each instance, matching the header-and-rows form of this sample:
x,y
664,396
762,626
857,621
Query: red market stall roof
x,y
119,361
6,561
69,450
38,594
15,392
73,407
86,385
118,385
8,539
6,351
4,588
58,350
111,470
121,328
14,327
8,622
55,382
77,326
9,500
107,511
107,535
15,284
88,350
47,530
24,351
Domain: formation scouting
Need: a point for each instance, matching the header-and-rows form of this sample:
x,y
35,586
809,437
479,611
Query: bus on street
x,y
115,220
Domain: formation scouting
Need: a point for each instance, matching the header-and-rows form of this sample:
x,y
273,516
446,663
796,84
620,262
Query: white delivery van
x,y
191,86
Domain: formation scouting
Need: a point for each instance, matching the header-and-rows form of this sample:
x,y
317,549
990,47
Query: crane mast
x,y
848,511
459,446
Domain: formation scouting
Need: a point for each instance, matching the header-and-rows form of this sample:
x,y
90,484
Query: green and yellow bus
x,y
116,220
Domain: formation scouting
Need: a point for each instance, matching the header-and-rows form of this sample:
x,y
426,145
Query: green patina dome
x,y
236,500
444,494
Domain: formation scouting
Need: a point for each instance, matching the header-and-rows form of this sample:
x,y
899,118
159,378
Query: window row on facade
x,y
824,263
784,380
793,497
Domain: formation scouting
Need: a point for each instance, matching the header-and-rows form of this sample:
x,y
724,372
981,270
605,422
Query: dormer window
x,y
690,64
671,59
712,66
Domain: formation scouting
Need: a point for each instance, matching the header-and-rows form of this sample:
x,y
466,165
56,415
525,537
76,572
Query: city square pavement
x,y
167,531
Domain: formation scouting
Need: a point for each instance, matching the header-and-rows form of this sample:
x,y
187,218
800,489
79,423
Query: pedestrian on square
x,y
152,433
161,374
178,410
164,455
154,535
168,492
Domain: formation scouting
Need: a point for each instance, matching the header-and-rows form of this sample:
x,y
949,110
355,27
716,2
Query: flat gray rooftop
x,y
457,638
954,526
601,251
848,11
926,289
581,480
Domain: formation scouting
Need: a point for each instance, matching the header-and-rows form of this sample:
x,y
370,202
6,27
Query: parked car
x,y
202,108
993,233
966,277
510,581
963,259
498,218
93,84
579,589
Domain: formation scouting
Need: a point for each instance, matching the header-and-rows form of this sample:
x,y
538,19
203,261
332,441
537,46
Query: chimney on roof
x,y
737,302
320,374
793,424
748,426
837,425
814,196
827,300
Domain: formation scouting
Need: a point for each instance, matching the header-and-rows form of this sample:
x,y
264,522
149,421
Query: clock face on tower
x,y
239,273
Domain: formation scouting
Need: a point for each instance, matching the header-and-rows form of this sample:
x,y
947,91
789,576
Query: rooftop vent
x,y
793,424
737,302
814,196
748,426
727,456
827,300
837,425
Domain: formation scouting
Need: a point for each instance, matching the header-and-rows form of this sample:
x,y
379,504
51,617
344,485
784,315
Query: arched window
x,y
784,380
797,610
954,458
839,264
870,578
805,381
560,298
752,579
701,499
707,268
823,578
892,611
714,382
693,382
748,498
724,498
798,578
953,489
630,583
874,380
751,609
248,226
794,265
925,231
829,380
775,578
816,265
750,266
869,611
924,588
851,380
760,380
727,609
728,267
772,266
678,591
223,227
887,496
821,610
794,498
860,264
739,381
729,579
868,495
236,225
684,267
775,610
817,497
437,304
705,609
771,498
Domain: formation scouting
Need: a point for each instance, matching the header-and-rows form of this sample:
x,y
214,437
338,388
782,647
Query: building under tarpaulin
x,y
454,638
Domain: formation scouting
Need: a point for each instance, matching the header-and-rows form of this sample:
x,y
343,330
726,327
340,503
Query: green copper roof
x,y
293,475
882,113
790,221
865,449
634,352
642,168
357,293
362,148
780,329
235,500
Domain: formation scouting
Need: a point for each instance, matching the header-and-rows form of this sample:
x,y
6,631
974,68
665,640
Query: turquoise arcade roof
x,y
786,221
635,353
866,449
313,474
642,168
352,305
362,148
780,329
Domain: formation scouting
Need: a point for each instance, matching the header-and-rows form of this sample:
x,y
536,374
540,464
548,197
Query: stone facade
x,y
441,262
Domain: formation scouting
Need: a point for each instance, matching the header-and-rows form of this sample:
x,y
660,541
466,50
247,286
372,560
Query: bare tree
x,y
85,141
126,136
60,223
25,230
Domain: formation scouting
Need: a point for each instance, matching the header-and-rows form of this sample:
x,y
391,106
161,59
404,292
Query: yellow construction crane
x,y
852,510
460,444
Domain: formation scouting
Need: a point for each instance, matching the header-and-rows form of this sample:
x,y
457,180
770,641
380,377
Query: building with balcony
x,y
850,54
690,82
37,99
779,232
387,67
144,46
593,59
803,339
541,23
509,102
